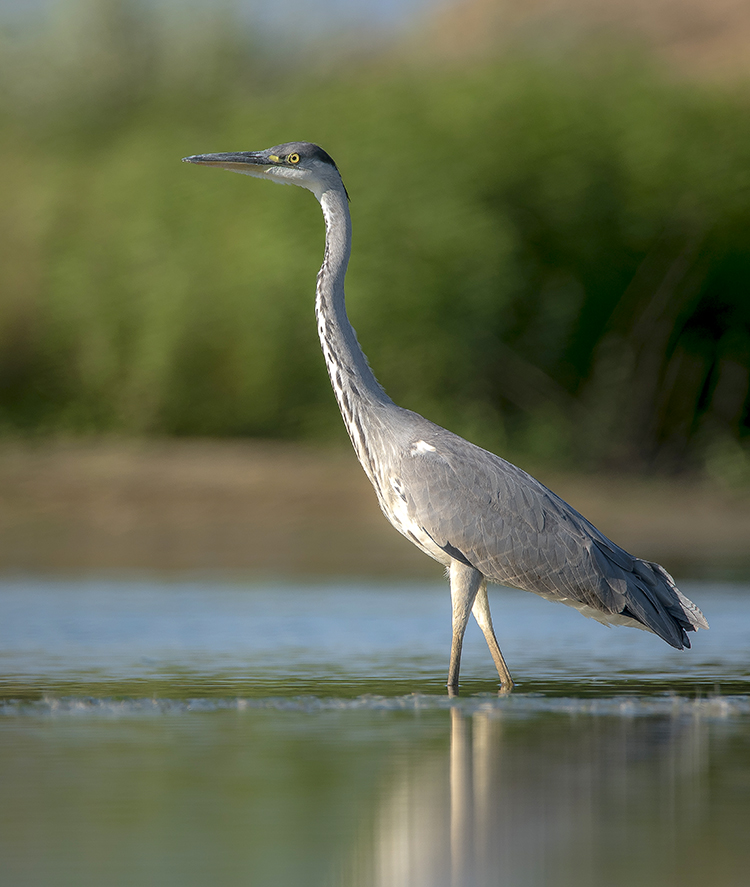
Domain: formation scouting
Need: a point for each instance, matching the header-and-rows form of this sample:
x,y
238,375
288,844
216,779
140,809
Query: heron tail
x,y
671,614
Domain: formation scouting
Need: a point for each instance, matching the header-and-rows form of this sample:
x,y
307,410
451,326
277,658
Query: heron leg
x,y
481,611
465,583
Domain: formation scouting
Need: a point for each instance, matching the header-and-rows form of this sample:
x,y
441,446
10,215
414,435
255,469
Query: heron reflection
x,y
533,799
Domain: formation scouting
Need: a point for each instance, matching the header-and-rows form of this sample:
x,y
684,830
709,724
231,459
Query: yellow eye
x,y
293,158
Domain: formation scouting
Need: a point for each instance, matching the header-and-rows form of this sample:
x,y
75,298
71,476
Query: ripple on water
x,y
713,706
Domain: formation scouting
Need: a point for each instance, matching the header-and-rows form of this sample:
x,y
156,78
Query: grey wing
x,y
490,514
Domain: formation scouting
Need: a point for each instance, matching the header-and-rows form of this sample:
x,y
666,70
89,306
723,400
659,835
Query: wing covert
x,y
514,530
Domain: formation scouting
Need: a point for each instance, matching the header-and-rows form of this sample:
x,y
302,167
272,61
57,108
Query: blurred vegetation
x,y
552,252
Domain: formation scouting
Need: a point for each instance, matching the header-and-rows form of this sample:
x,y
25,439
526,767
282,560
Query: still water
x,y
208,733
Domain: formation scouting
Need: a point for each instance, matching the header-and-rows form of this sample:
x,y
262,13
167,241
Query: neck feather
x,y
354,384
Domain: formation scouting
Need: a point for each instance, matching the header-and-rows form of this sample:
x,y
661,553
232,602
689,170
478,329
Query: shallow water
x,y
209,733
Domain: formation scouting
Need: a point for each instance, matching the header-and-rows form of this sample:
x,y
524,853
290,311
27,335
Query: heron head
x,y
293,163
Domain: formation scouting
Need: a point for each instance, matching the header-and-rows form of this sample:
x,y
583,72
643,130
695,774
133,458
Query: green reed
x,y
552,253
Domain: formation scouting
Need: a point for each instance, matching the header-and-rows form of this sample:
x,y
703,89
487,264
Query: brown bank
x,y
286,510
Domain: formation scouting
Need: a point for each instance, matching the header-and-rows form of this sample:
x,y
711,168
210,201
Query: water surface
x,y
214,733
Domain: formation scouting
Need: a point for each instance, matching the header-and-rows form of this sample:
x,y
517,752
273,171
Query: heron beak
x,y
251,163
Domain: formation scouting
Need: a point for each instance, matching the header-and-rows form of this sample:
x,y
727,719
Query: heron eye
x,y
293,158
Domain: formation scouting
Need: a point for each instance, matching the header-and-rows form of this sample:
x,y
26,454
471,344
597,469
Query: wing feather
x,y
517,532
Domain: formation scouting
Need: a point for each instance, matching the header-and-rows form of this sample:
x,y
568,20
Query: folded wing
x,y
486,512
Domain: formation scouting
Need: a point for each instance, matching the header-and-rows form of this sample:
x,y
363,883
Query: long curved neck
x,y
354,384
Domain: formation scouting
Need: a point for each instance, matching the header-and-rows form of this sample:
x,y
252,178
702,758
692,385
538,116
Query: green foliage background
x,y
552,252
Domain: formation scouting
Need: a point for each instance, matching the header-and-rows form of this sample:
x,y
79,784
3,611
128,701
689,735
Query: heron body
x,y
481,517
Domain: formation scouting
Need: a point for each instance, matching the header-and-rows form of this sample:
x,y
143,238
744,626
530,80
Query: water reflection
x,y
190,734
369,792
561,800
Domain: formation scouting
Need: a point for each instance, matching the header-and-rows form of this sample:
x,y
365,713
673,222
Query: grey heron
x,y
481,517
